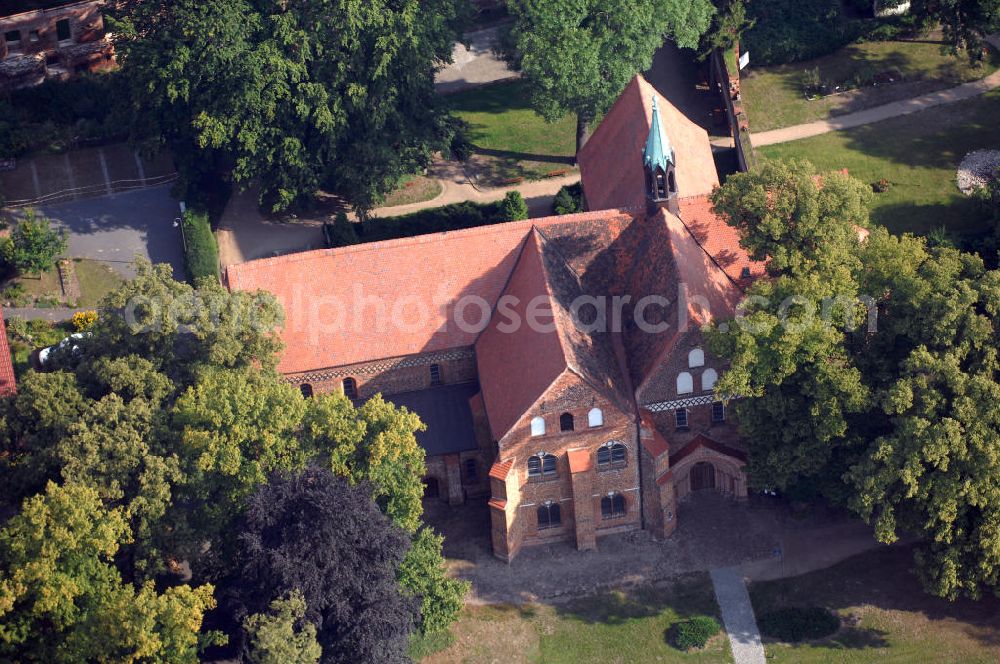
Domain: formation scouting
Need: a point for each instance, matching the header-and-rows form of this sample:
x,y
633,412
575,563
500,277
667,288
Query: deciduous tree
x,y
577,56
33,245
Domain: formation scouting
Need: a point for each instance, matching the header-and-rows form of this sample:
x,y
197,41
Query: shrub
x,y
434,220
84,320
201,252
33,245
694,632
513,207
799,624
792,30
568,200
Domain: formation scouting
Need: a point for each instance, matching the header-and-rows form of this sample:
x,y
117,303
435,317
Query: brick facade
x,y
53,41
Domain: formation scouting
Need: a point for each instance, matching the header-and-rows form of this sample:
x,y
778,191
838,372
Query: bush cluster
x,y
456,216
694,632
201,252
796,624
569,200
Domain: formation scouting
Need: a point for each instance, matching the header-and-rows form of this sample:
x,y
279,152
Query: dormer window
x,y
538,426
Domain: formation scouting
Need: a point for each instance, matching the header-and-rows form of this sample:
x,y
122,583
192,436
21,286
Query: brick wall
x,y
85,49
569,394
395,376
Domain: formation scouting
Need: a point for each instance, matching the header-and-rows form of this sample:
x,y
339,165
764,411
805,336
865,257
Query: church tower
x,y
659,164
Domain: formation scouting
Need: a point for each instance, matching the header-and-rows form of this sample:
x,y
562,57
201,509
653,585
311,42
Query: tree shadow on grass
x,y
881,578
687,596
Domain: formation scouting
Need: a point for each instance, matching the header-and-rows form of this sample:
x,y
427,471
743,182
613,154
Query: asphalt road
x,y
115,229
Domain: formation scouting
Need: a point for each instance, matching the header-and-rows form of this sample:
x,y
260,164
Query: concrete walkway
x,y
55,315
737,614
884,112
474,63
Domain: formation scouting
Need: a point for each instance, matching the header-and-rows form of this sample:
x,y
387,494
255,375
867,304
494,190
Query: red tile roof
x,y
500,469
704,441
652,440
611,161
332,297
8,383
719,240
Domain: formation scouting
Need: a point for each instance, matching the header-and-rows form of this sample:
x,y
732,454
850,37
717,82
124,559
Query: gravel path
x,y
737,614
884,112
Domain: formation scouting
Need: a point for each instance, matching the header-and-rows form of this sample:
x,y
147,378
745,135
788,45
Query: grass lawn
x,y
96,280
602,629
896,622
774,96
919,155
413,189
511,140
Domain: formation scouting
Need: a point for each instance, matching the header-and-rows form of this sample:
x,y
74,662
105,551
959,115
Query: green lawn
x,y
919,155
96,280
510,139
895,621
618,627
774,96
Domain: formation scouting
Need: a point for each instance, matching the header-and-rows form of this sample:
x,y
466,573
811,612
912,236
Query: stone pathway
x,y
474,63
884,112
737,614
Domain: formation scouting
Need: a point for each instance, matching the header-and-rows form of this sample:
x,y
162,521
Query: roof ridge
x,y
503,227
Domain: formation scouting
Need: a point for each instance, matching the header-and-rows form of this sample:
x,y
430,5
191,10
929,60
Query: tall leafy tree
x,y
299,95
578,55
965,22
62,599
315,533
33,245
896,420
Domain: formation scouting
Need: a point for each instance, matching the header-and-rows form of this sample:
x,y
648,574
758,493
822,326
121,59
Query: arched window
x,y
685,383
696,358
672,183
538,426
613,506
595,418
549,516
661,185
708,379
350,388
541,464
436,374
306,389
681,416
566,422
611,455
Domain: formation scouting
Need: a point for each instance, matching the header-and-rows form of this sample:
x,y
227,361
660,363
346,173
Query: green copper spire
x,y
657,152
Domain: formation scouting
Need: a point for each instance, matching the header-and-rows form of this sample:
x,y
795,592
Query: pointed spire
x,y
658,152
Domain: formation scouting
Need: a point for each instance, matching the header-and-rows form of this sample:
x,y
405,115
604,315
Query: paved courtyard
x,y
763,536
115,229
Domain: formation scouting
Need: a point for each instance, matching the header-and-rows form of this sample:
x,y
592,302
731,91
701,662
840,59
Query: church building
x,y
558,363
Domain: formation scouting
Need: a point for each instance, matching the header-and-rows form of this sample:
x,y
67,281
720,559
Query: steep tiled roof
x,y
431,272
611,161
8,385
500,469
671,264
719,240
702,440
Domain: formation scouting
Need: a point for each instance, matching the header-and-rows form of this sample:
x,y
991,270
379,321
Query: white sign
x,y
744,60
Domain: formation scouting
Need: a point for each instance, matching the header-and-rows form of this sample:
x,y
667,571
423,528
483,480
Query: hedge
x,y
568,200
201,252
694,632
452,217
798,624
